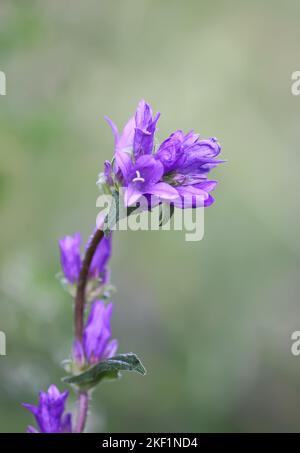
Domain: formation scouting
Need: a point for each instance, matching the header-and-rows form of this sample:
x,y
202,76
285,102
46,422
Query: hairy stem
x,y
83,406
82,281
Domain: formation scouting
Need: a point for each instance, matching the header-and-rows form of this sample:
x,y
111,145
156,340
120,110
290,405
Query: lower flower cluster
x,y
96,344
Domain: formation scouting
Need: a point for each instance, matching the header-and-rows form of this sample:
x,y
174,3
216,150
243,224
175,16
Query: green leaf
x,y
107,369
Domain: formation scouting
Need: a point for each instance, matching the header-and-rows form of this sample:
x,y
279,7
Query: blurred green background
x,y
211,320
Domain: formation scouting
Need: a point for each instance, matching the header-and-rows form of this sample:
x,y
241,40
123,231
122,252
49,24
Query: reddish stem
x,y
82,282
83,406
83,397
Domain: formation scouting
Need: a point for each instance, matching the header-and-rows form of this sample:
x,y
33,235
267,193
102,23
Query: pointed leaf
x,y
107,369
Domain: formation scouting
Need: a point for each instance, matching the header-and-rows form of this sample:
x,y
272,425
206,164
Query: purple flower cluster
x,y
71,260
96,344
49,413
176,173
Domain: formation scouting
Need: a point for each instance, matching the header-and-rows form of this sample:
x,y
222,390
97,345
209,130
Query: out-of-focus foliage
x,y
211,320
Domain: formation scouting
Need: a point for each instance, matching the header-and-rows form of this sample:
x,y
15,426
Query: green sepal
x,y
116,212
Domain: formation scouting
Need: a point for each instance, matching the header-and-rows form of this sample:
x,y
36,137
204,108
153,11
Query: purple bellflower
x,y
49,413
176,173
70,257
145,125
71,260
96,345
145,177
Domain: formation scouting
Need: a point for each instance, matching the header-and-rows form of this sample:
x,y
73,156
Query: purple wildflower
x,y
136,139
187,160
96,345
70,257
145,125
145,178
71,260
123,146
177,173
49,413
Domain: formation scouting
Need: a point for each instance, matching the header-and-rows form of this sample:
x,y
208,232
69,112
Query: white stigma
x,y
138,177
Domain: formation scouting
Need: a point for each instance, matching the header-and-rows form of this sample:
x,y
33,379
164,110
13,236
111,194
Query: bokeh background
x,y
211,320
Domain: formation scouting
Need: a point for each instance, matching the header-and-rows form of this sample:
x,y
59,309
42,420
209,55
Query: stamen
x,y
138,177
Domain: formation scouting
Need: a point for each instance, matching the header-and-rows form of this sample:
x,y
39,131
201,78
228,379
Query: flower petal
x,y
111,349
144,130
31,429
31,408
164,191
97,331
78,353
66,423
190,197
208,186
126,138
70,256
113,128
209,201
49,411
131,195
123,162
